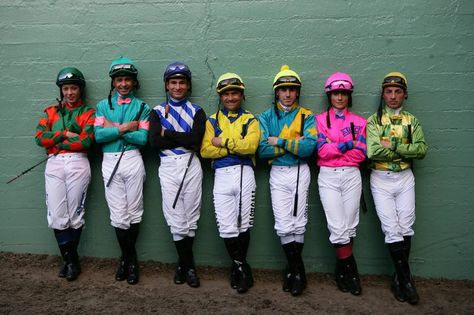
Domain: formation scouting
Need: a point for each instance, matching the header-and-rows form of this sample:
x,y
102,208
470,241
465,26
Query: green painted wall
x,y
432,42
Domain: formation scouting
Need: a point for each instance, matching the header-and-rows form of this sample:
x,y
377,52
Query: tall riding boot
x,y
180,273
191,276
402,268
74,268
342,252
132,277
239,277
63,238
231,245
299,281
290,269
64,249
244,239
122,238
407,246
352,275
340,276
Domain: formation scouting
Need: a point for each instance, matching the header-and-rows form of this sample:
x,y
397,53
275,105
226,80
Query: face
x,y
394,96
177,88
71,92
287,95
124,84
340,99
232,99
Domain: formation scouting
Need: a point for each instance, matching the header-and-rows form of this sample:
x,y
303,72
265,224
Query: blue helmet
x,y
177,69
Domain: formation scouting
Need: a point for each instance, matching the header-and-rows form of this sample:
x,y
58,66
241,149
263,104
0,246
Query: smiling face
x,y
71,92
232,99
124,84
394,96
287,95
340,99
177,88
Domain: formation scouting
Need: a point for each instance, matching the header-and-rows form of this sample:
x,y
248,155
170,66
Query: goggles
x,y
178,67
65,76
339,85
398,81
126,67
284,80
231,82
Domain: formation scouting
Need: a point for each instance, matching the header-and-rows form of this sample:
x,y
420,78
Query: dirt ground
x,y
29,284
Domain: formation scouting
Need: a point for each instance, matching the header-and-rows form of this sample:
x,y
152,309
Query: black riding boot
x,y
239,277
405,281
74,268
244,239
63,238
180,273
133,270
340,276
290,269
299,281
407,246
64,249
352,276
191,276
122,238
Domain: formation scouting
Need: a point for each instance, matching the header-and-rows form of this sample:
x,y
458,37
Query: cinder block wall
x,y
432,42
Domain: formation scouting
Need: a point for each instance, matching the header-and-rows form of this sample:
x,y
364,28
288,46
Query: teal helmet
x,y
123,66
70,75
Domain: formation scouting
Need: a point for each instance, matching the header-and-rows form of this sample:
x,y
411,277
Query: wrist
x,y
342,146
226,145
350,145
281,143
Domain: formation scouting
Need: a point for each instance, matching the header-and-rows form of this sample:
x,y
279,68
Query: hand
x,y
71,134
163,131
328,140
130,126
272,141
53,150
216,141
386,144
107,124
300,138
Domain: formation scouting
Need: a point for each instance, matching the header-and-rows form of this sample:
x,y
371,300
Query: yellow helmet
x,y
229,81
395,79
286,77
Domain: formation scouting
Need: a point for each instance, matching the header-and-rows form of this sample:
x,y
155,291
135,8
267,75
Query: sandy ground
x,y
29,284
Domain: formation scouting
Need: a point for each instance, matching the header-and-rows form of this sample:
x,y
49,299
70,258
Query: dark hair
x,y
328,119
380,110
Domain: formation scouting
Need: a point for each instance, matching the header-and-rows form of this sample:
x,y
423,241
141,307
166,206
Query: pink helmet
x,y
339,81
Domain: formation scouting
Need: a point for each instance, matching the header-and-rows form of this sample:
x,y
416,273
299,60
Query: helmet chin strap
x,y
61,109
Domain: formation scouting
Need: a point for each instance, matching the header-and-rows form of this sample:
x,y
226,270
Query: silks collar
x,y
131,95
74,105
339,114
235,114
287,109
174,102
393,112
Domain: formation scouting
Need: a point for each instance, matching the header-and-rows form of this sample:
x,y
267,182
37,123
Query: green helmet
x,y
123,66
70,75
